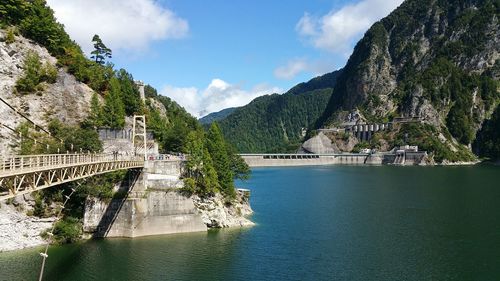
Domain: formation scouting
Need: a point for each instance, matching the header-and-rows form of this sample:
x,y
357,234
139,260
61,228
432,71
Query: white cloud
x,y
122,24
218,95
291,69
338,30
298,65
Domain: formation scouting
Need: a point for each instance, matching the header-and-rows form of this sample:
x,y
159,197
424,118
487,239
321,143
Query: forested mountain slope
x,y
277,123
217,116
433,59
46,78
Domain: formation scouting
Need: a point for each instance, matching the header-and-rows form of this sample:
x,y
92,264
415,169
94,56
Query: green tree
x,y
94,120
32,72
12,11
67,230
39,24
75,138
201,172
239,167
35,73
113,111
129,93
487,143
100,52
218,150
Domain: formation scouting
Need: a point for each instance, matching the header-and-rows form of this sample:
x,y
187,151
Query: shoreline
x,y
20,231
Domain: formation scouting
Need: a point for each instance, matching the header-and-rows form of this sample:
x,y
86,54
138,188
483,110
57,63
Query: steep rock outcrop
x,y
436,60
66,100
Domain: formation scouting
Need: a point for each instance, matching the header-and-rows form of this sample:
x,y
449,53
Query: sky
x,y
211,55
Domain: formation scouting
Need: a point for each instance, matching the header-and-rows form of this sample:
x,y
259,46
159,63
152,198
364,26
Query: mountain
x,y
277,123
435,60
53,99
216,116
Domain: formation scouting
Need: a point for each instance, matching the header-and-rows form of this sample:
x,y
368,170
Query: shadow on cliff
x,y
114,207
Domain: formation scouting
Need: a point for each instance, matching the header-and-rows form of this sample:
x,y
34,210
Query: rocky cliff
x,y
66,100
433,60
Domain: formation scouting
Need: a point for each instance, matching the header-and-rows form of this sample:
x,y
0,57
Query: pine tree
x,y
209,183
113,111
129,93
239,167
218,150
95,116
199,166
100,52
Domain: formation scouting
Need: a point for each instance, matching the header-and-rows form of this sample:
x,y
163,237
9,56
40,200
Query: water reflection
x,y
318,223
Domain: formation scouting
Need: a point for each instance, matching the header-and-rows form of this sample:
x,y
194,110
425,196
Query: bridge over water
x,y
24,174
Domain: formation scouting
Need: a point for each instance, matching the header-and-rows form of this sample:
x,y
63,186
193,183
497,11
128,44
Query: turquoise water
x,y
315,223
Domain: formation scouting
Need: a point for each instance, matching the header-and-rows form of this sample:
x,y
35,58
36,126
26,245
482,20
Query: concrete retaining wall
x,y
158,213
157,209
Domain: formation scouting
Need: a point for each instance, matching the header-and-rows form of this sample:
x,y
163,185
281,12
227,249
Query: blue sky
x,y
209,55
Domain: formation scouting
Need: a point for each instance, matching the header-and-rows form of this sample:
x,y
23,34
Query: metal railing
x,y
167,157
35,162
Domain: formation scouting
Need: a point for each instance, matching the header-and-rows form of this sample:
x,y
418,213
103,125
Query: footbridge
x,y
27,173
22,174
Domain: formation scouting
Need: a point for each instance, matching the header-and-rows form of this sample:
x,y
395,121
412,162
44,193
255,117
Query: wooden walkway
x,y
24,174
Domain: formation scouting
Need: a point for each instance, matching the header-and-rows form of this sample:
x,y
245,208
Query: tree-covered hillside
x,y
277,123
217,116
213,164
437,60
487,143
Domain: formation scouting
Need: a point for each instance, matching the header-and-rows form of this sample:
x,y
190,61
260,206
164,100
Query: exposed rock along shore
x,y
18,230
461,163
216,214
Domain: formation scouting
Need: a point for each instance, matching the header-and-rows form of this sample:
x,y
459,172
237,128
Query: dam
x,y
394,157
276,160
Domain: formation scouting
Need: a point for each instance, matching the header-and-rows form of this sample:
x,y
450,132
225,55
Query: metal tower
x,y
139,131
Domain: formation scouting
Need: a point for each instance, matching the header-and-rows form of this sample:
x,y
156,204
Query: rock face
x,y
215,213
319,144
67,100
435,60
18,230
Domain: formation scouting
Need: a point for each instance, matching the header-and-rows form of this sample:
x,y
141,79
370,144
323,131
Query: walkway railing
x,y
27,173
34,162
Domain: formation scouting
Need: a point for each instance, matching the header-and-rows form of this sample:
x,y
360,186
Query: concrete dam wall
x,y
152,206
276,160
282,160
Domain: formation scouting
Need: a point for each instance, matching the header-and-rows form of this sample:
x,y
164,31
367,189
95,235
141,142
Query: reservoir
x,y
314,223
